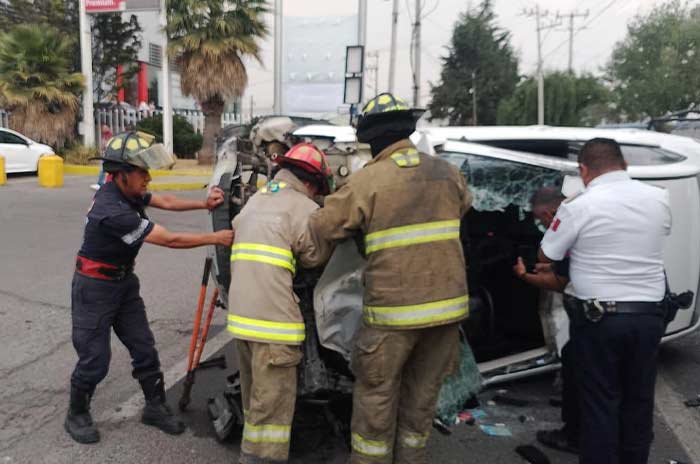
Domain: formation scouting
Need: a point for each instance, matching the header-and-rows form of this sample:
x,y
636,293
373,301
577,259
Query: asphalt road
x,y
40,232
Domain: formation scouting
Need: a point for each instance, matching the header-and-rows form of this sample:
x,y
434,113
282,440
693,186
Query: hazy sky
x,y
606,24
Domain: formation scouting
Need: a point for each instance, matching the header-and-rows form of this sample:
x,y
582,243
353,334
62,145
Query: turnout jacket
x,y
405,207
267,250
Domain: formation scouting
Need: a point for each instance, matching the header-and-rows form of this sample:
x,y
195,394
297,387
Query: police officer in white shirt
x,y
614,234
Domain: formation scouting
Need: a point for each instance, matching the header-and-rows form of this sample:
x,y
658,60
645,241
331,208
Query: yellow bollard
x,y
3,175
51,171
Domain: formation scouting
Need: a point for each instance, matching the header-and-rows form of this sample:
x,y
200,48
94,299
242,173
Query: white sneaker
x,y
95,186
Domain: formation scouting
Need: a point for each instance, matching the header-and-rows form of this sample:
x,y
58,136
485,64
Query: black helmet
x,y
135,149
383,113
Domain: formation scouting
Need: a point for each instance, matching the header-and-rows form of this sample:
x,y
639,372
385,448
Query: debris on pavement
x,y
496,430
532,454
694,403
466,417
477,413
441,427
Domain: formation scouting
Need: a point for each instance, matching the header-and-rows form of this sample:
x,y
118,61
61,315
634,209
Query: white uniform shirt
x,y
614,233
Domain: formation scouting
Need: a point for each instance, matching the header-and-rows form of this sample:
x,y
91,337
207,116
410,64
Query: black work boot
x,y
156,412
78,421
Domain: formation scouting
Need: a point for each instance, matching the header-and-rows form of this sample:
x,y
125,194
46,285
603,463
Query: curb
x,y
78,170
154,187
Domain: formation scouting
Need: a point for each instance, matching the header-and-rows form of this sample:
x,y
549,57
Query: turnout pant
x,y
268,390
97,307
399,374
616,360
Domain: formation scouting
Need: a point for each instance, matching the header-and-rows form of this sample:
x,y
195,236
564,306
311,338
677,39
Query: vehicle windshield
x,y
496,184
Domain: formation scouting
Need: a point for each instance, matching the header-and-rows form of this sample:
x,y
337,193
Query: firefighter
x,y
406,207
264,315
105,291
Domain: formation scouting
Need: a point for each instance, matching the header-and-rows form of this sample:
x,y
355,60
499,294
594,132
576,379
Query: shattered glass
x,y
495,184
458,387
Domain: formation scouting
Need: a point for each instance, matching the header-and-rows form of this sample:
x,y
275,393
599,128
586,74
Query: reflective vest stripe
x,y
369,447
406,158
425,313
266,330
266,433
414,440
412,235
263,254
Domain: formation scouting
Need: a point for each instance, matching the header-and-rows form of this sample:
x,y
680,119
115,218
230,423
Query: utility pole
x,y
165,79
375,69
278,57
473,92
392,58
539,15
86,68
572,16
416,55
361,39
252,106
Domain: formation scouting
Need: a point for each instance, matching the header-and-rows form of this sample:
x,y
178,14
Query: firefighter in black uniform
x,y
105,290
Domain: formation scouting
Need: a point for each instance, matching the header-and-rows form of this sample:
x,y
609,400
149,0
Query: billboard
x,y
110,6
313,71
104,6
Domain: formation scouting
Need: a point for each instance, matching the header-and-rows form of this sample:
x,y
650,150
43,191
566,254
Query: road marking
x,y
134,404
680,419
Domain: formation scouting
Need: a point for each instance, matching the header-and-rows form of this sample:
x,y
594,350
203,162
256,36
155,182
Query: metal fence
x,y
121,119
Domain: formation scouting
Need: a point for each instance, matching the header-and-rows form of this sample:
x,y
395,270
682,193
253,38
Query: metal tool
x,y
196,343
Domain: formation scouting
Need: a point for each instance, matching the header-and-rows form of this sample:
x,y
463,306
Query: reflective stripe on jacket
x,y
268,243
407,207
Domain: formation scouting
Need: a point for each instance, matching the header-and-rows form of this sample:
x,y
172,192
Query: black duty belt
x,y
594,310
99,270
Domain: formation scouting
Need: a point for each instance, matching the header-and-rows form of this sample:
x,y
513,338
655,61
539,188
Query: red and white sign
x,y
104,6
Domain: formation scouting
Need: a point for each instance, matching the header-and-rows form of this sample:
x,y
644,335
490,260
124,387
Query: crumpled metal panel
x,y
338,299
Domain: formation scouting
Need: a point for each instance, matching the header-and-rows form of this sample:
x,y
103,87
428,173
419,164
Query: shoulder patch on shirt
x,y
555,224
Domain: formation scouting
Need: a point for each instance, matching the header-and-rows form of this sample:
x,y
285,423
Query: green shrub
x,y
79,154
186,142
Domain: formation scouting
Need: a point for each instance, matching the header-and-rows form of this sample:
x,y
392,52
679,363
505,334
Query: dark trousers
x,y
616,360
570,407
97,307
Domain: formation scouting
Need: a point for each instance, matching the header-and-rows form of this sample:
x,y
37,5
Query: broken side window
x,y
496,184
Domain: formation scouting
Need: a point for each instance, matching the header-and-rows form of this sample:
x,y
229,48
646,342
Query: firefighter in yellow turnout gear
x,y
407,206
264,315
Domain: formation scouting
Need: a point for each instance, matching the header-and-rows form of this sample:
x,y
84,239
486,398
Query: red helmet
x,y
312,160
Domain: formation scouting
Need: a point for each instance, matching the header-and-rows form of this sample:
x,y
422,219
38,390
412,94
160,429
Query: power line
x,y
600,13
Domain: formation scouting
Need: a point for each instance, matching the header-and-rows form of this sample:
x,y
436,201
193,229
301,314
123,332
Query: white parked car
x,y
20,152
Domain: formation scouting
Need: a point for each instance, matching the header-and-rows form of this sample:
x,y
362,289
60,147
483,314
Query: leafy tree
x,y
481,48
114,42
569,101
186,142
59,14
37,85
208,40
656,68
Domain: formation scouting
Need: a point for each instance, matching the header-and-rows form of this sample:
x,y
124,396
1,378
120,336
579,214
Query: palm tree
x,y
36,84
208,40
